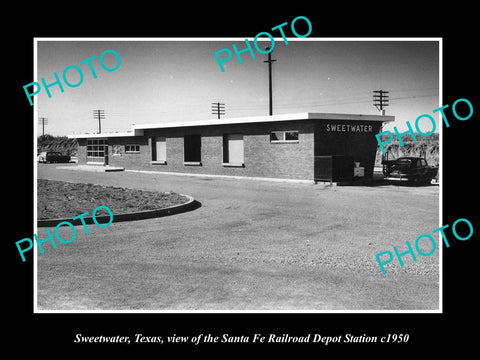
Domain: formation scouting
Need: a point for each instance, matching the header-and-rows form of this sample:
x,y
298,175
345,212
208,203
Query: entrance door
x,y
97,151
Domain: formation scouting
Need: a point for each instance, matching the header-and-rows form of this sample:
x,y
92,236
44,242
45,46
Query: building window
x,y
233,150
97,151
192,149
132,148
159,150
284,137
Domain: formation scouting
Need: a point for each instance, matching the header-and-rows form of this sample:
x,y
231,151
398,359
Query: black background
x,y
54,333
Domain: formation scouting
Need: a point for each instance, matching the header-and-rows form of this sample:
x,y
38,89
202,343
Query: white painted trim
x,y
105,136
233,164
269,118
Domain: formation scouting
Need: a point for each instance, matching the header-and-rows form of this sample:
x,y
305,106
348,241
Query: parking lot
x,y
252,245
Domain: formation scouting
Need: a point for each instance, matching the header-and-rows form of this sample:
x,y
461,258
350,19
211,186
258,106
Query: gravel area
x,y
60,199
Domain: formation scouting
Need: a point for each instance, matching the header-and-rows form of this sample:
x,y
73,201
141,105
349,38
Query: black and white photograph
x,y
241,180
294,196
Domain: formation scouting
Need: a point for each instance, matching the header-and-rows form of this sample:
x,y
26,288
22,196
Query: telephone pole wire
x,y
99,114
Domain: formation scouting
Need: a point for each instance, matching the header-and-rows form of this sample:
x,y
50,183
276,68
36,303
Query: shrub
x,y
57,143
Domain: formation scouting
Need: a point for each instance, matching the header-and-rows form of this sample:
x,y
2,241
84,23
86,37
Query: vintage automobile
x,y
53,157
413,169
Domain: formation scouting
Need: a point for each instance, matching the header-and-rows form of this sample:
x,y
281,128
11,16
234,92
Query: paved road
x,y
253,245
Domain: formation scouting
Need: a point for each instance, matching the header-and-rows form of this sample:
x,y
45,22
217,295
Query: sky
x,y
171,80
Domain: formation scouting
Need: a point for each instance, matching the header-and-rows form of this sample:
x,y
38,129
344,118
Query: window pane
x,y
132,148
235,148
192,148
161,149
276,136
291,135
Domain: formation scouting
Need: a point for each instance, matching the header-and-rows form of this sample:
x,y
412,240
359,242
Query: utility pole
x,y
270,61
43,121
99,114
218,109
380,100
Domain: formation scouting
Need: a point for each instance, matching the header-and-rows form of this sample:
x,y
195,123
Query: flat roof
x,y
107,135
137,130
271,118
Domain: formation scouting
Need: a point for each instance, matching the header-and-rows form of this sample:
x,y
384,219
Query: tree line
x,y
57,143
427,147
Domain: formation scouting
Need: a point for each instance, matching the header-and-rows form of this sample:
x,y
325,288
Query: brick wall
x,y
117,156
262,158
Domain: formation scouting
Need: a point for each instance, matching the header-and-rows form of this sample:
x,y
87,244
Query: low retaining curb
x,y
190,205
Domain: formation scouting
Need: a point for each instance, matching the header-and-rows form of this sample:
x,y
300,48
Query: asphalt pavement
x,y
252,245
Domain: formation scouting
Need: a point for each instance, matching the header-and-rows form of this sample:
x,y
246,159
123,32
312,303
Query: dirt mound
x,y
59,199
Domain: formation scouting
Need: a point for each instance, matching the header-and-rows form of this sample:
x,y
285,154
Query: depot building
x,y
303,146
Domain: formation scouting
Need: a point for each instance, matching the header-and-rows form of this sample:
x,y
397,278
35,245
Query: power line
x,y
414,97
191,109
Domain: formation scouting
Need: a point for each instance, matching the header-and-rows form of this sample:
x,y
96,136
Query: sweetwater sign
x,y
349,128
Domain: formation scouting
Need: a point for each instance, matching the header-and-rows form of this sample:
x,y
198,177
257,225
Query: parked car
x,y
53,157
410,169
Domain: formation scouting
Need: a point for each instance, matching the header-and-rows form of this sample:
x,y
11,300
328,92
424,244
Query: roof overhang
x,y
138,130
135,132
272,118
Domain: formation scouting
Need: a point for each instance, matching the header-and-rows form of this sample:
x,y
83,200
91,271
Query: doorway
x,y
97,151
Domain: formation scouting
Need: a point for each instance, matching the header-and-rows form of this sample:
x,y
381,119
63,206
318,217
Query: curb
x,y
94,168
190,205
216,176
